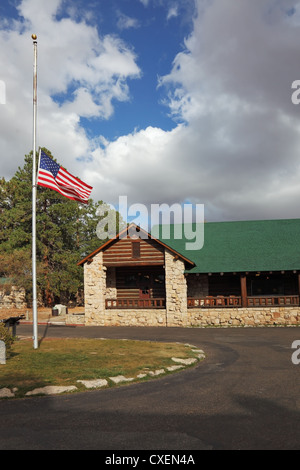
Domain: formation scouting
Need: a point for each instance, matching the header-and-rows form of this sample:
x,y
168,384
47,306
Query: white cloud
x,y
173,12
126,22
238,150
80,74
236,147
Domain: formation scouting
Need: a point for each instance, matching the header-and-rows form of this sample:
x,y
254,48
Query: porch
x,y
220,301
145,289
206,302
135,303
136,288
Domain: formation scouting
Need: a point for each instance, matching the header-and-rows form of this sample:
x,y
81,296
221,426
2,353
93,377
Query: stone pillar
x,y
176,291
94,289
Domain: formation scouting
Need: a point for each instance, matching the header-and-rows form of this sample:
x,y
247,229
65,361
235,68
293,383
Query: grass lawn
x,y
61,362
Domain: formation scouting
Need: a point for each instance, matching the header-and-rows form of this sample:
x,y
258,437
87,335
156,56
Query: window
x,y
136,249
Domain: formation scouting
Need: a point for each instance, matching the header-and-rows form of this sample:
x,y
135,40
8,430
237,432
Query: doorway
x,y
144,286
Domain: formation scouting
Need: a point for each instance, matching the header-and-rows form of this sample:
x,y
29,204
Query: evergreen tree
x,y
66,232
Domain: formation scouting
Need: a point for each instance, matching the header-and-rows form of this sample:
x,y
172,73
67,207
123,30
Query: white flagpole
x,y
34,190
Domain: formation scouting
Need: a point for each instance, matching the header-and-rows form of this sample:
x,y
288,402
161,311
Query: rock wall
x,y
130,317
12,297
94,289
176,291
257,316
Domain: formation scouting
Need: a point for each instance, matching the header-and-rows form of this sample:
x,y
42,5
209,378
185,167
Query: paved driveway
x,y
244,395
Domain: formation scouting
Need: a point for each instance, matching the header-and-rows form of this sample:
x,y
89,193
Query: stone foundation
x,y
267,316
138,317
229,317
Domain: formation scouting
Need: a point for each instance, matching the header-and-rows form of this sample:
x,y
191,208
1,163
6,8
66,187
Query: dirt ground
x,y
44,314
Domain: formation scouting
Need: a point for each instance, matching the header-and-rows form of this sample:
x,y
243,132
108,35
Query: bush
x,y
7,337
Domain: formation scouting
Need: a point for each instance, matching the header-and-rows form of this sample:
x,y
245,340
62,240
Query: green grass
x,y
64,361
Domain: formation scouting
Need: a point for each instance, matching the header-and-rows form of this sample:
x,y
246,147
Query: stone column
x,y
176,290
94,289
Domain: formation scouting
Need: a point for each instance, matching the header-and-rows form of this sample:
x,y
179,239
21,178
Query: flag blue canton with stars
x,y
47,163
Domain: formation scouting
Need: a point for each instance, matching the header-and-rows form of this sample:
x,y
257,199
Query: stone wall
x,y
176,290
12,297
130,317
266,316
94,289
228,317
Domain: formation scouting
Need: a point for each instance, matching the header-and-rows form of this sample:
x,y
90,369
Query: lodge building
x,y
246,274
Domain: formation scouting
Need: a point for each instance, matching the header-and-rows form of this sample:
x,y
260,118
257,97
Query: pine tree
x,y
66,232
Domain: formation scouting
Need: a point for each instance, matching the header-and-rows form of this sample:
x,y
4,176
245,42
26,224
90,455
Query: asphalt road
x,y
244,395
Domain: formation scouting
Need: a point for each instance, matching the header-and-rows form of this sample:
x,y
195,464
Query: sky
x,y
161,101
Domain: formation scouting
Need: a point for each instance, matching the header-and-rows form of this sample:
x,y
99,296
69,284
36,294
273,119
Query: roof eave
x,y
122,232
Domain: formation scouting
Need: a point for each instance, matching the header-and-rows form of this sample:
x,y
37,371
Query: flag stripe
x,y
48,184
64,181
47,179
67,187
72,179
51,175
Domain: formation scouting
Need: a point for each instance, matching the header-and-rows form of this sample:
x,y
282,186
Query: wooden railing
x,y
236,301
277,300
218,301
207,302
134,303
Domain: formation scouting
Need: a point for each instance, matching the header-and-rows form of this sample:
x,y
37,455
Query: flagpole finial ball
x,y
34,37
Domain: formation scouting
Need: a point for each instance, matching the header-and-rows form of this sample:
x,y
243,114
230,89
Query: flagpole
x,y
34,191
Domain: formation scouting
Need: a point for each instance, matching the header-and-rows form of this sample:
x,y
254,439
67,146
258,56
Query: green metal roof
x,y
262,245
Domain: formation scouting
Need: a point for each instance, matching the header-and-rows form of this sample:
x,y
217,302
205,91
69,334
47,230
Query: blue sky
x,y
161,101
155,39
154,31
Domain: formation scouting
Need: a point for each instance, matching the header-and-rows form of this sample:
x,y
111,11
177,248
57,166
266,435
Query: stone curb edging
x,y
100,383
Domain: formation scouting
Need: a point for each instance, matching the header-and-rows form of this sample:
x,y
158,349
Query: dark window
x,y
136,250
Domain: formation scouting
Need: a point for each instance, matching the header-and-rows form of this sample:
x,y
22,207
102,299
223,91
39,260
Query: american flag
x,y
52,175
